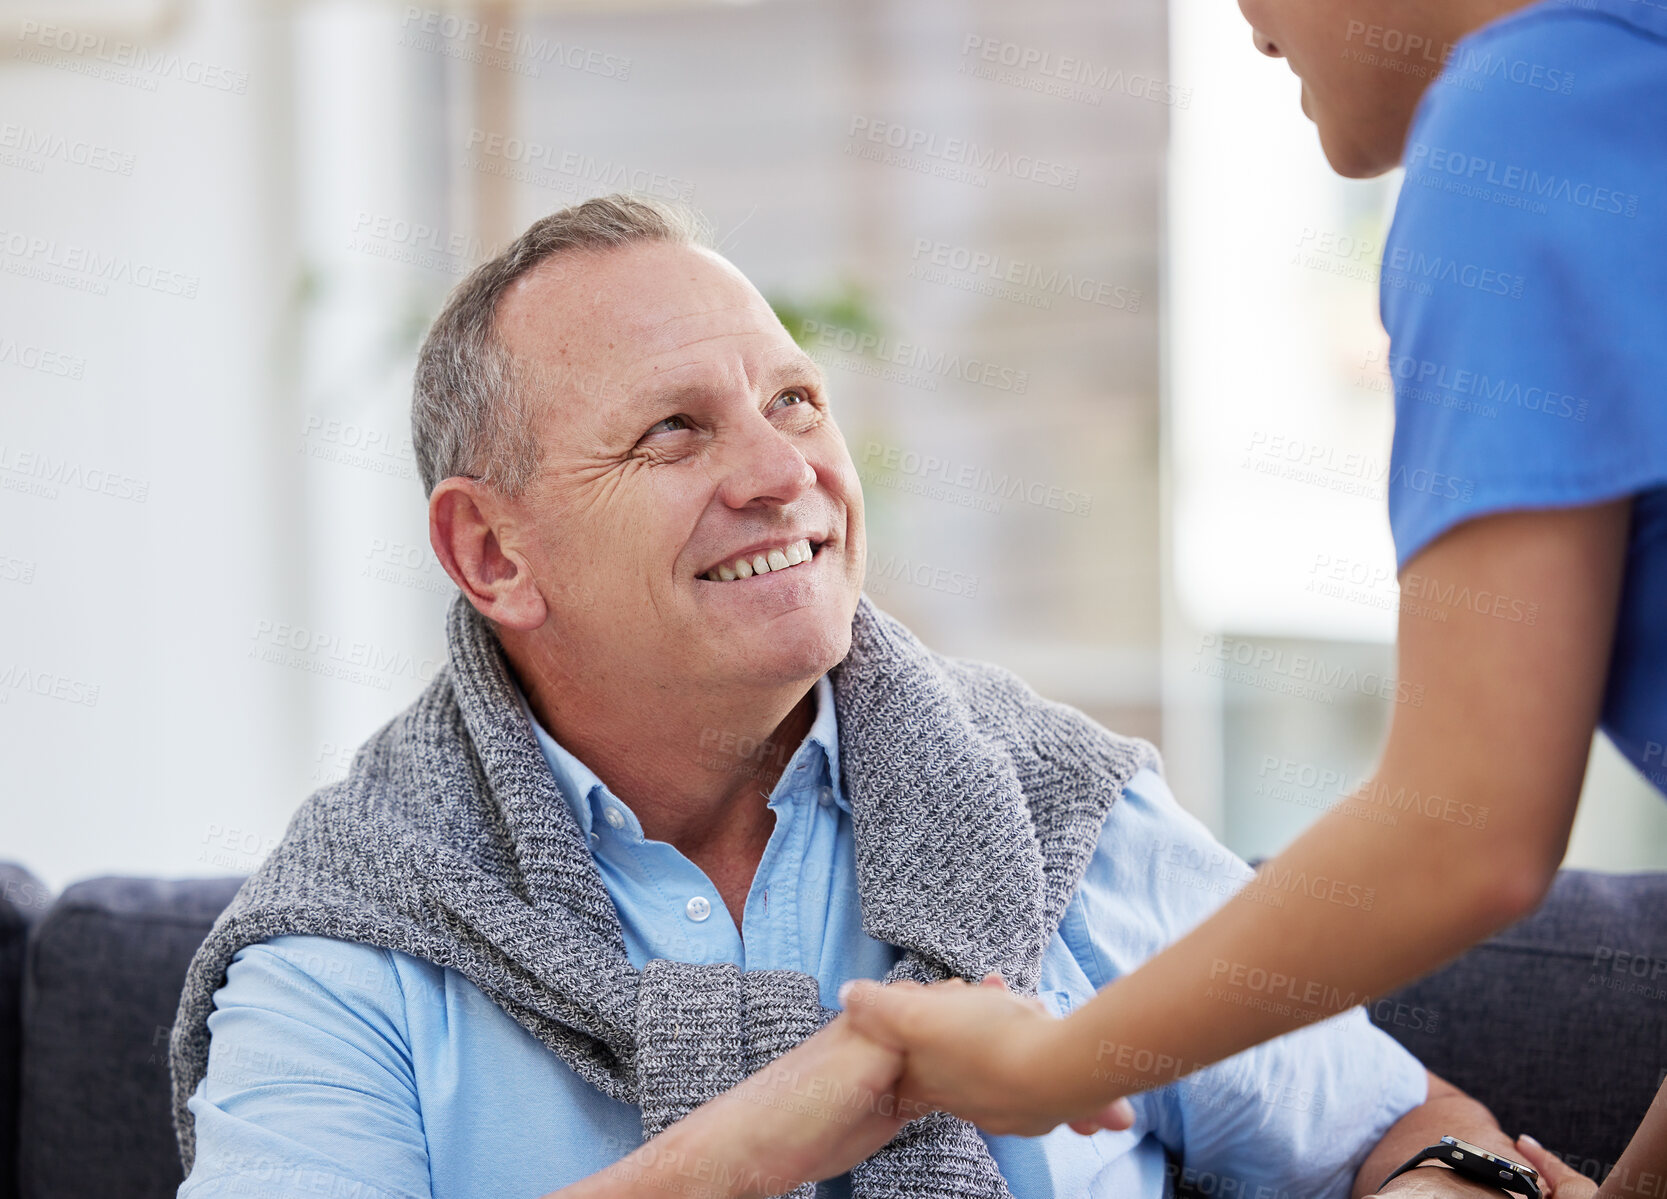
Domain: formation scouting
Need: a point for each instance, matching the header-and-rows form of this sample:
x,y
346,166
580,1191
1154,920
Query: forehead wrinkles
x,y
678,330
694,347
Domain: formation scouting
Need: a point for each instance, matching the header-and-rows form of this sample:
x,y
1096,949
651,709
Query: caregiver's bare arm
x,y
1458,833
1496,702
811,1114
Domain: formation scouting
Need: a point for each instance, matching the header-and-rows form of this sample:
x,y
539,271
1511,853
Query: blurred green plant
x,y
848,306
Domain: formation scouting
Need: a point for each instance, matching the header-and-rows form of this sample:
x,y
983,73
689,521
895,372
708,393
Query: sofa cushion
x,y
23,899
102,981
1559,1024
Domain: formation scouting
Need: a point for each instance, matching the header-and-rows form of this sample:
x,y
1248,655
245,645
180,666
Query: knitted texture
x,y
976,805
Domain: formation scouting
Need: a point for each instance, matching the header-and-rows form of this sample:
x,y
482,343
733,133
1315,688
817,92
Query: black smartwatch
x,y
1478,1165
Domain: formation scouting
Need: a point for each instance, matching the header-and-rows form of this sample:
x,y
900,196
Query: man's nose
x,y
764,464
1264,43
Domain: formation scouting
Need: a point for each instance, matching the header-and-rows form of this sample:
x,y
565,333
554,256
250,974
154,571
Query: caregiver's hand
x,y
989,1056
813,1113
1556,1178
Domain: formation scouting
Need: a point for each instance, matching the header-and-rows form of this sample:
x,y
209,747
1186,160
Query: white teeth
x,y
762,564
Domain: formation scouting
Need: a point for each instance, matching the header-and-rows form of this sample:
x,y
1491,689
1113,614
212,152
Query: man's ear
x,y
471,530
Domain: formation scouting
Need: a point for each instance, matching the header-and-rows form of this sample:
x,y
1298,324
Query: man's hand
x,y
818,1110
814,1112
985,1054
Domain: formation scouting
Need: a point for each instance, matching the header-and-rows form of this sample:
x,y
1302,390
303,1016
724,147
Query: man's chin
x,y
796,665
804,642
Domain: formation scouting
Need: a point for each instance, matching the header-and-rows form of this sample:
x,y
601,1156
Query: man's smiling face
x,y
681,430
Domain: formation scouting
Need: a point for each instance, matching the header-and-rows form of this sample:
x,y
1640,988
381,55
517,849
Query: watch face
x,y
1463,1149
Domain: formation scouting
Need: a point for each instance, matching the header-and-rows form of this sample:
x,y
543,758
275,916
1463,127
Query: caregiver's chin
x,y
1364,66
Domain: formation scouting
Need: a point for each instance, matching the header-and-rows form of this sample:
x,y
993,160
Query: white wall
x,y
151,497
273,599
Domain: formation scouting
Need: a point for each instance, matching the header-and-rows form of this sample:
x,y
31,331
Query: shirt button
x,y
614,817
825,796
698,908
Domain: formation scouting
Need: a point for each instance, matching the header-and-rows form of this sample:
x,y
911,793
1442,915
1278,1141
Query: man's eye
x,y
798,393
667,426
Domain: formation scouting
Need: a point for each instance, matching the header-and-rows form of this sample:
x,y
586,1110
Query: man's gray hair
x,y
470,414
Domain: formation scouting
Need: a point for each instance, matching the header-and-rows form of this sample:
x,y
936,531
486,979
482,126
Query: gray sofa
x,y
1559,1024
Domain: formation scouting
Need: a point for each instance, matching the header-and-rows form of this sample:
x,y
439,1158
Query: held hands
x,y
985,1054
896,1053
813,1112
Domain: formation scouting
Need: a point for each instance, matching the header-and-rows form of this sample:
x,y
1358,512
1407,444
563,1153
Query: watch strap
x,y
1516,1184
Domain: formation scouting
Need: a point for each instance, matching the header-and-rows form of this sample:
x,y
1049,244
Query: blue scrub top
x,y
1524,289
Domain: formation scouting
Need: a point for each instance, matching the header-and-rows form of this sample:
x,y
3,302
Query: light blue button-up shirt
x,y
348,1070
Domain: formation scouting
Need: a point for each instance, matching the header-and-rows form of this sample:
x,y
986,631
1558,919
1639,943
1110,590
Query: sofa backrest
x,y
102,981
23,901
1559,1024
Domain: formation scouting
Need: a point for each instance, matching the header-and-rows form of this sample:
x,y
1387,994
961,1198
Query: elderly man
x,y
575,918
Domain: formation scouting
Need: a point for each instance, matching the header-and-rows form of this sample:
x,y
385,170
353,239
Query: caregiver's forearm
x,y
1354,908
1641,1172
1490,713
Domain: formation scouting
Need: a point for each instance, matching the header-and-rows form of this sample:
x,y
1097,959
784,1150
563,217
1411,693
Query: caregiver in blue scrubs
x,y
1524,289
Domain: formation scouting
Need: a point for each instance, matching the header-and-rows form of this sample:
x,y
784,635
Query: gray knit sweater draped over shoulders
x,y
976,805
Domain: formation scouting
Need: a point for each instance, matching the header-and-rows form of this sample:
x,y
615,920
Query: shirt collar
x,y
824,735
586,794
